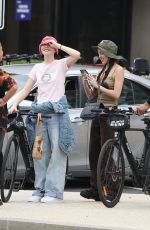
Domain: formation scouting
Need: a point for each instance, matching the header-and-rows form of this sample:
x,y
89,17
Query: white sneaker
x,y
35,199
47,199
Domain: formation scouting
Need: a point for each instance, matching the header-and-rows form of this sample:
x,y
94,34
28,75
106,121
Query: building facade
x,y
80,24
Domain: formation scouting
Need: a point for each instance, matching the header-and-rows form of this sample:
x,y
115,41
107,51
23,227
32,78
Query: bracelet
x,y
60,46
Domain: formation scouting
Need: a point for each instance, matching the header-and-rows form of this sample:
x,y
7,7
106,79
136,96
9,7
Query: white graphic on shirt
x,y
46,77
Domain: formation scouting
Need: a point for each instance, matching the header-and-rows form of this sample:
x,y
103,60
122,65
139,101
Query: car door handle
x,y
77,119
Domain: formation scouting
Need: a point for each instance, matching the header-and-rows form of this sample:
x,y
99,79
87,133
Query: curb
x,y
23,225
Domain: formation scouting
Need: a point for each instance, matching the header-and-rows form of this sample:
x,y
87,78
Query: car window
x,y
133,93
126,97
72,92
140,92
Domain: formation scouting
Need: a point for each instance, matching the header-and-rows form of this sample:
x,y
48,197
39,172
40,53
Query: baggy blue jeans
x,y
51,169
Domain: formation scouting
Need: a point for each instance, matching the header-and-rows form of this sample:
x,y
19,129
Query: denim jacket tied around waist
x,y
66,135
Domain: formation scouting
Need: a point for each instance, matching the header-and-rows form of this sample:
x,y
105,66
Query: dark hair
x,y
110,65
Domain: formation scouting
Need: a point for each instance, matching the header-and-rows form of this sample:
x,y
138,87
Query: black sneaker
x,y
90,194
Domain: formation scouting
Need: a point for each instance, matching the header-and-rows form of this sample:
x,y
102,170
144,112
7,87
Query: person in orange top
x,y
8,88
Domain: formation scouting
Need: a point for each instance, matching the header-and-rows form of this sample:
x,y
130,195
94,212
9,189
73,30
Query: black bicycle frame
x,y
25,148
19,131
134,167
146,147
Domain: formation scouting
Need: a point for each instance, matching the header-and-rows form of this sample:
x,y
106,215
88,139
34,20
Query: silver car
x,y
135,91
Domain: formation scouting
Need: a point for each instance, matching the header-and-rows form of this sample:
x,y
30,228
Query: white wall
x,y
140,36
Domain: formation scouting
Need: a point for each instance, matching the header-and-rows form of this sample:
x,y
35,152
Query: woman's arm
x,y
74,55
10,92
22,95
8,95
143,108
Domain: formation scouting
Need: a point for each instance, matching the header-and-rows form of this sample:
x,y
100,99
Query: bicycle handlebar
x,y
21,113
15,114
15,57
114,111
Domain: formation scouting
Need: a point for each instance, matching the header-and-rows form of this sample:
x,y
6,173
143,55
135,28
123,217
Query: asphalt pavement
x,y
76,213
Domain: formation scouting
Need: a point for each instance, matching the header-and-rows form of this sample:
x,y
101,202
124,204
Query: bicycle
x,y
111,166
18,140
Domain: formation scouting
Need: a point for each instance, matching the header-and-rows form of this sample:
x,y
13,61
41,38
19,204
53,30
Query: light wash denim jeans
x,y
51,169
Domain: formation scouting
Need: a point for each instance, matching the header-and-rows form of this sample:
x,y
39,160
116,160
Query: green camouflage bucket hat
x,y
109,48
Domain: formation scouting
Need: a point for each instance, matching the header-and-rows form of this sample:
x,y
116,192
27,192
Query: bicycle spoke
x,y
110,174
8,170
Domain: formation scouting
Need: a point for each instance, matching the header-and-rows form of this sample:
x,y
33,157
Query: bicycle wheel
x,y
9,168
110,173
66,175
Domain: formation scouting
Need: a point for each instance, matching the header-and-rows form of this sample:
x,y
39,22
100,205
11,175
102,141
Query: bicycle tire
x,y
66,175
146,167
9,168
110,173
146,172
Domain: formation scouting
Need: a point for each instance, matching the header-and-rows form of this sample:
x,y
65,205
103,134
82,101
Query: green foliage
x,y
22,62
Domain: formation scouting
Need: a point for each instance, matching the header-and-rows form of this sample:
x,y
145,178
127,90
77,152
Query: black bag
x,y
86,113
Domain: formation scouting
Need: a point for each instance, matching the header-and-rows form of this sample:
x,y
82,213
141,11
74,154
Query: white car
x,y
135,91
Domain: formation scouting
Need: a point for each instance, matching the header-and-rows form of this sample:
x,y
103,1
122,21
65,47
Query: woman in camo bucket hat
x,y
109,48
106,89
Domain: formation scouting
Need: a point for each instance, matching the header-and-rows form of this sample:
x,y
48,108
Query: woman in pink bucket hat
x,y
46,40
50,78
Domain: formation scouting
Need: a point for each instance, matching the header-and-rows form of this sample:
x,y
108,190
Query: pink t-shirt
x,y
50,80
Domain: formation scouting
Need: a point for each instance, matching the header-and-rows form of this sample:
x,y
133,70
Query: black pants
x,y
98,135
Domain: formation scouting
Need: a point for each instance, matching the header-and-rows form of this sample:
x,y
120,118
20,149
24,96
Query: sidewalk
x,y
76,213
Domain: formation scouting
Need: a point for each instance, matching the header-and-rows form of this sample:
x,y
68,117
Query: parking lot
x,y
78,162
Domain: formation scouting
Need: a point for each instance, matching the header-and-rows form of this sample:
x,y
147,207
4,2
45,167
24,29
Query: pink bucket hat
x,y
46,40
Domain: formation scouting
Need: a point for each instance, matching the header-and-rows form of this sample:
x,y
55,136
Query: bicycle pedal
x,y
17,186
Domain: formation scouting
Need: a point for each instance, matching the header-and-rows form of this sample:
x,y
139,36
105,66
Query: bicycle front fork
x,y
146,186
